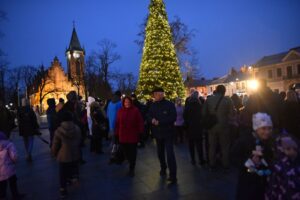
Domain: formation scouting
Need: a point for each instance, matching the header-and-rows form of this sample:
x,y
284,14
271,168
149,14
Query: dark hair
x,y
118,93
67,116
61,100
158,89
51,102
221,89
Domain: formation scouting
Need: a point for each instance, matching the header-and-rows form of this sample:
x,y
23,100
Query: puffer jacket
x,y
8,158
66,143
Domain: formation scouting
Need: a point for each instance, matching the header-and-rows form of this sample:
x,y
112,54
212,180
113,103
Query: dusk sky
x,y
228,33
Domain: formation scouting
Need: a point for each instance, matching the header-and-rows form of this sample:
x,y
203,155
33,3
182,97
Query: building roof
x,y
74,43
197,82
232,77
275,58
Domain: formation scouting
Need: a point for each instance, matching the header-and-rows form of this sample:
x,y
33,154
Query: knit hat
x,y
261,120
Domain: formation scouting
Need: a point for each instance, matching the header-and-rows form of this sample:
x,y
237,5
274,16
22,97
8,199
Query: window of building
x,y
279,72
298,69
289,71
237,85
270,74
243,85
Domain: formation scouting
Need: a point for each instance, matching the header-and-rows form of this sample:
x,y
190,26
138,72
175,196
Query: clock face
x,y
76,55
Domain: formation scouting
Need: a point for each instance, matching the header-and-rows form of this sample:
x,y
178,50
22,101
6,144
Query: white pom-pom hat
x,y
260,120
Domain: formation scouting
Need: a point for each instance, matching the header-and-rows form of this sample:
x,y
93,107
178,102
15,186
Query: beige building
x,y
239,82
57,83
281,70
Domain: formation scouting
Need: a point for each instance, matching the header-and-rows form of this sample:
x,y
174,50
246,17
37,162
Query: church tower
x,y
75,60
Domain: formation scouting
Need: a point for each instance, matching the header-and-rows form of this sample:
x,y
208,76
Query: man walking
x,y
222,108
161,116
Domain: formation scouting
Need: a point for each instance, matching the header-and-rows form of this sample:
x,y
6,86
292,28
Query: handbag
x,y
211,119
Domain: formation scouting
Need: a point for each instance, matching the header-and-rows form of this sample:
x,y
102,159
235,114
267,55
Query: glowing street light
x,y
253,84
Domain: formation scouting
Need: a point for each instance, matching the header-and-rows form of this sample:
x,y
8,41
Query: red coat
x,y
129,125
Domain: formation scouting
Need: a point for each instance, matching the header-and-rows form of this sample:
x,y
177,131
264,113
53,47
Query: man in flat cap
x,y
161,116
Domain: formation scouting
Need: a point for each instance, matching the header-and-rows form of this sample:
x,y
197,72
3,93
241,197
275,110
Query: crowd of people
x,y
258,135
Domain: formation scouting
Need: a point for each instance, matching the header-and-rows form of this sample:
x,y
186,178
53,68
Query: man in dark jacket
x,y
161,116
222,108
51,118
28,126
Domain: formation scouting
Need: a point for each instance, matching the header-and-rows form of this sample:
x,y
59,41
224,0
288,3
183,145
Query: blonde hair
x,y
291,96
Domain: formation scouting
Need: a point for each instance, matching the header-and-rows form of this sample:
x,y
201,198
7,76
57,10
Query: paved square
x,y
98,180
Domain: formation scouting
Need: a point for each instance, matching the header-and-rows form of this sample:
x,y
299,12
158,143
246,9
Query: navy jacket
x,y
165,112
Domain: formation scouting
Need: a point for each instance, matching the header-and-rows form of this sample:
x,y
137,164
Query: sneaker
x,y
63,193
172,181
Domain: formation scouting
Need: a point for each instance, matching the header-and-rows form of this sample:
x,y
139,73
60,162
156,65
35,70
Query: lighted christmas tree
x,y
159,67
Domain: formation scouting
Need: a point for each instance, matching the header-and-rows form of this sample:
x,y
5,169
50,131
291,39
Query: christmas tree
x,y
159,67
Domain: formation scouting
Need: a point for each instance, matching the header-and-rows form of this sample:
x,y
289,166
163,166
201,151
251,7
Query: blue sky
x,y
228,33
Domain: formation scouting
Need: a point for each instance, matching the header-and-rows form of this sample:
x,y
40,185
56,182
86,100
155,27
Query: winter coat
x,y
28,124
179,120
7,122
98,122
52,119
8,158
113,107
89,118
224,111
193,119
284,183
165,112
291,118
66,142
250,185
129,125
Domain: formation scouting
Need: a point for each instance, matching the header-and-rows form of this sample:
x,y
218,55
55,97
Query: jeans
x,y
67,171
28,142
12,181
166,145
130,151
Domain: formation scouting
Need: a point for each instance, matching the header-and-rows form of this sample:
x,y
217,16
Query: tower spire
x,y
74,42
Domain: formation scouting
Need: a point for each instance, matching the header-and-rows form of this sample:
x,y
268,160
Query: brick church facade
x,y
58,83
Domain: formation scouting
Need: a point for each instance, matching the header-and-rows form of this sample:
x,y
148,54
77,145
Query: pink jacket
x,y
8,158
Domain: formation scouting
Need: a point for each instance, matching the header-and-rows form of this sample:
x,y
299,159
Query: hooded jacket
x,y
66,142
88,109
129,125
8,157
113,107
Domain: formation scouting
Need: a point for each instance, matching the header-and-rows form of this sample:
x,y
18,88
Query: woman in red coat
x,y
129,126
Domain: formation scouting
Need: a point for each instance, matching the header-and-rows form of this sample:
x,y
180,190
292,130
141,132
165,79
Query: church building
x,y
58,83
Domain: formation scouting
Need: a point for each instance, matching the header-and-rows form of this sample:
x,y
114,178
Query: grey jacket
x,y
224,112
66,143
